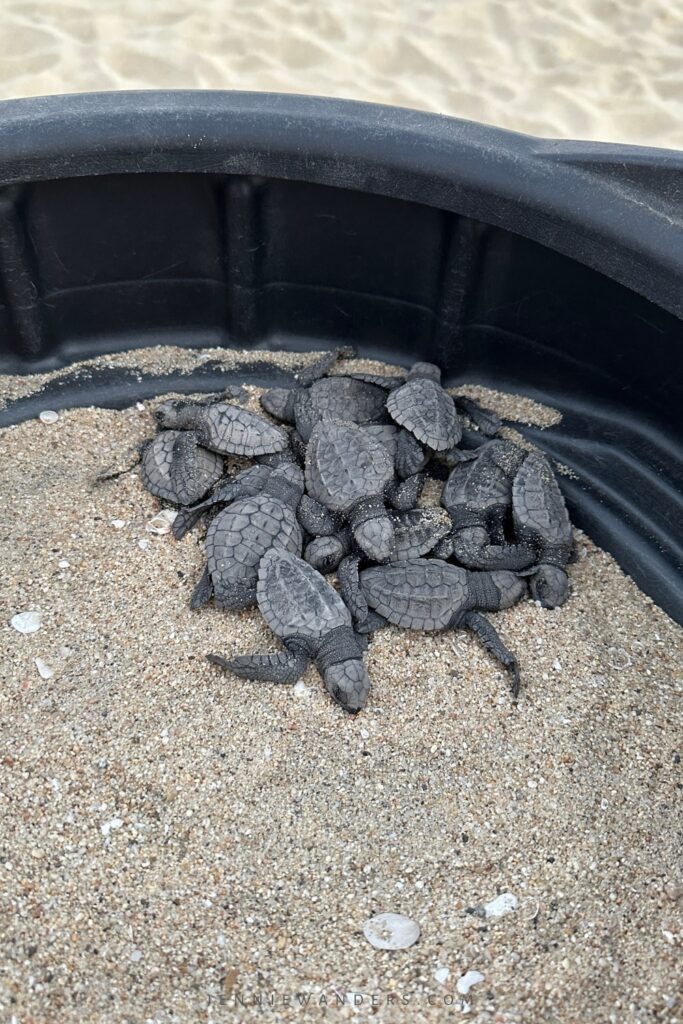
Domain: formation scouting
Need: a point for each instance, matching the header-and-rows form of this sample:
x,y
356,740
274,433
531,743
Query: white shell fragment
x,y
45,671
465,983
442,974
391,931
162,522
27,622
48,416
300,689
118,524
501,905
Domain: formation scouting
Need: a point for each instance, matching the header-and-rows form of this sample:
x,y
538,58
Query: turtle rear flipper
x,y
350,589
283,667
472,549
314,371
203,591
489,637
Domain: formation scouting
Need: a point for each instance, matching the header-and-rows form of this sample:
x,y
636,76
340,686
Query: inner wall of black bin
x,y
100,264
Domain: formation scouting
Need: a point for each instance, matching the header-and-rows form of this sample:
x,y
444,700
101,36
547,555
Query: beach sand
x,y
610,70
176,843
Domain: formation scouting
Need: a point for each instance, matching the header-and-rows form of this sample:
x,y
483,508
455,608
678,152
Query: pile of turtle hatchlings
x,y
336,491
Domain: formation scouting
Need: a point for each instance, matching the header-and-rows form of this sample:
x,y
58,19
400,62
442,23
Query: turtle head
x,y
376,538
279,402
174,414
348,684
549,585
325,553
510,587
425,370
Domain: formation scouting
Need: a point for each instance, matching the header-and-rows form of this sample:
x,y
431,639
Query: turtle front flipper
x,y
350,589
283,667
472,549
489,637
314,371
315,518
404,495
488,421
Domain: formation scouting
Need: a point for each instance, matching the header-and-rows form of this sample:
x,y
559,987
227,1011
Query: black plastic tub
x,y
552,269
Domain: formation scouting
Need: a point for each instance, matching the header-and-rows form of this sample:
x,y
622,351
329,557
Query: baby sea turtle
x,y
223,427
240,535
430,594
347,474
541,521
338,398
279,402
176,468
416,532
477,497
425,409
314,624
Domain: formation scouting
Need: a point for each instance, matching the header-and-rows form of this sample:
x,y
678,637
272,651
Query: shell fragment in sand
x,y
27,622
391,931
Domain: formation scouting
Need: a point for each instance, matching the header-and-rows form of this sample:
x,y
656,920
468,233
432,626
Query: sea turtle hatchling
x,y
347,475
430,594
308,615
425,409
541,521
173,466
477,497
280,402
240,535
223,427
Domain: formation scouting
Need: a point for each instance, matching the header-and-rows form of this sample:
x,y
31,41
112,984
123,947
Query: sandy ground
x,y
589,69
176,844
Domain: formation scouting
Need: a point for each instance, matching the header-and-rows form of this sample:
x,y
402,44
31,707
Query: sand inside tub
x,y
180,845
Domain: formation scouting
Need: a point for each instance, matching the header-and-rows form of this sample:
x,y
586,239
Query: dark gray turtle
x,y
430,594
239,536
279,402
416,532
338,398
223,427
541,521
175,467
347,474
477,497
425,409
314,624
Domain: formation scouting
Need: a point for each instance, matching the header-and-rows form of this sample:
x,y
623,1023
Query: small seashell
x,y
391,931
465,983
300,689
27,622
162,522
118,524
143,544
140,406
501,905
45,671
48,416
618,658
63,563
442,974
136,955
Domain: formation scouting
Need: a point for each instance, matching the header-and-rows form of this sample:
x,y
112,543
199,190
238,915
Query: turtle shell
x,y
539,512
295,599
419,593
338,398
175,467
239,536
428,412
224,427
345,464
487,480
